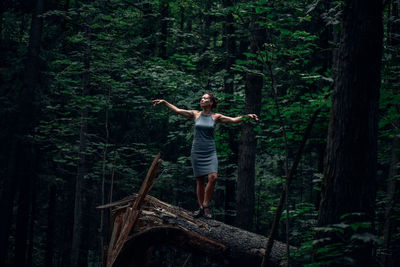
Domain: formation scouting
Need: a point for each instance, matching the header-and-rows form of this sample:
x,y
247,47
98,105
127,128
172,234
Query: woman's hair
x,y
213,99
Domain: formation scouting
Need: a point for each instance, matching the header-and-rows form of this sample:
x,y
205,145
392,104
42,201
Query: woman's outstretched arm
x,y
189,114
225,119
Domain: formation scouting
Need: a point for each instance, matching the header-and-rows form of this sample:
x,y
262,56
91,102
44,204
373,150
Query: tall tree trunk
x,y
28,112
349,177
21,235
29,256
230,48
51,210
149,45
207,24
164,13
102,227
181,27
7,202
320,169
82,168
19,165
86,232
393,188
247,149
66,198
392,199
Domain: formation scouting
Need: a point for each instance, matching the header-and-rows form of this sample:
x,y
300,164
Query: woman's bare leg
x,y
200,181
212,180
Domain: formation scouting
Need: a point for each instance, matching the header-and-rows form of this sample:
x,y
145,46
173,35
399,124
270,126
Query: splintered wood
x,y
125,222
142,222
161,223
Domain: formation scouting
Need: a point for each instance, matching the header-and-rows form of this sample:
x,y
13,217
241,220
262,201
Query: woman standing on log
x,y
204,155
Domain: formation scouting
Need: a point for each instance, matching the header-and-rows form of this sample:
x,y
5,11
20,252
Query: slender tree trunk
x,y
247,149
7,203
164,12
48,260
86,231
1,20
230,48
320,169
207,24
393,188
189,22
28,110
32,220
82,168
181,25
284,196
392,198
180,40
21,234
66,198
148,30
349,177
102,228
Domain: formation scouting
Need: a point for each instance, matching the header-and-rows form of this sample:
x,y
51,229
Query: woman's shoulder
x,y
216,116
196,114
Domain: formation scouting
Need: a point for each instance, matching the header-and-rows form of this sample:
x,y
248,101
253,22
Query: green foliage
x,y
336,242
125,132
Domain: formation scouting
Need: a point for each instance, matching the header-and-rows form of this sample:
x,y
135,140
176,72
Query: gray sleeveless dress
x,y
204,154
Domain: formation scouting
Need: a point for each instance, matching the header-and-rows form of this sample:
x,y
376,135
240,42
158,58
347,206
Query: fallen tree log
x,y
160,223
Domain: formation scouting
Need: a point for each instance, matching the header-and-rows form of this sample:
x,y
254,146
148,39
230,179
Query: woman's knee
x,y
212,177
200,180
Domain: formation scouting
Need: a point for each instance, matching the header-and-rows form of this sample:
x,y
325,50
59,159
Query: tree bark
x,y
206,25
7,202
31,241
82,168
148,30
21,235
22,151
86,232
392,198
247,149
164,13
230,49
349,177
51,210
393,189
163,224
181,26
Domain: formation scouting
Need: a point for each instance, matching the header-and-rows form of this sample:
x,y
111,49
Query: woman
x,y
204,155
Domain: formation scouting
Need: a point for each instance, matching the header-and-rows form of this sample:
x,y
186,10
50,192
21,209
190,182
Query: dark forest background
x,y
78,129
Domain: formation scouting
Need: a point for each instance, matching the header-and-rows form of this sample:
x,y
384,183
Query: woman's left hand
x,y
253,116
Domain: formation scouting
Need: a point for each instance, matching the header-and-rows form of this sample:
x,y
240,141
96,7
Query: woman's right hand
x,y
253,116
158,102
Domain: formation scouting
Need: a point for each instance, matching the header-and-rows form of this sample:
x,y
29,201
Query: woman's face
x,y
205,101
